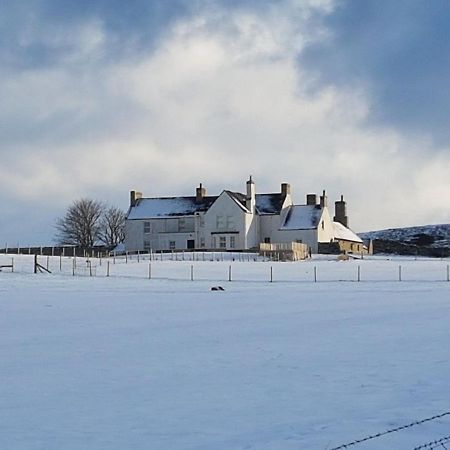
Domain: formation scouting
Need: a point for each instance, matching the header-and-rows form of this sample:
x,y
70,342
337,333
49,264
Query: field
x,y
118,362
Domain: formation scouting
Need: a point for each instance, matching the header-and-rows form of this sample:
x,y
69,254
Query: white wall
x,y
232,218
325,233
162,231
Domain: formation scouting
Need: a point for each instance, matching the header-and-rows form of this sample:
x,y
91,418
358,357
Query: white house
x,y
233,221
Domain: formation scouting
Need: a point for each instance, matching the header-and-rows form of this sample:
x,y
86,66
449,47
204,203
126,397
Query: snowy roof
x,y
151,208
302,217
239,199
344,233
269,203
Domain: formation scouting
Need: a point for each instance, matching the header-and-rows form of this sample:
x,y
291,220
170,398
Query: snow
x,y
441,234
302,217
128,362
269,203
150,208
342,232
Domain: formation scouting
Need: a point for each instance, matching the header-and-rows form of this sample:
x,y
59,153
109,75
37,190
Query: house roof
x,y
239,198
344,233
152,208
269,203
302,217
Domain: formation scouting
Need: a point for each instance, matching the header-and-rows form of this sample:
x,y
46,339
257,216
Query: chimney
x,y
323,200
134,197
285,189
250,202
340,214
311,199
200,193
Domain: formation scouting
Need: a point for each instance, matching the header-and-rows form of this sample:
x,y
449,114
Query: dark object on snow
x,y
217,288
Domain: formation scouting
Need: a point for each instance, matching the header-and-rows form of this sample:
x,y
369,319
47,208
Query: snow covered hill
x,y
428,240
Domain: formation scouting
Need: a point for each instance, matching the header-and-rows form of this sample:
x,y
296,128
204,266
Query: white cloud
x,y
214,106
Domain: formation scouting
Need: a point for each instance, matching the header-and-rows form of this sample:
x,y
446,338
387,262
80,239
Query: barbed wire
x,y
392,430
434,444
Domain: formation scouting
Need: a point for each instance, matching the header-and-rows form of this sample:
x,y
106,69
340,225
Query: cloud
x,y
220,96
399,51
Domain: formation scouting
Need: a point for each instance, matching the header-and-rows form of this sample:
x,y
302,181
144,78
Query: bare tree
x,y
81,225
112,226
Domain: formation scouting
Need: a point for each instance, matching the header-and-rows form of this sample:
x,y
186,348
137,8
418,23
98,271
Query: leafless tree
x,y
81,225
112,225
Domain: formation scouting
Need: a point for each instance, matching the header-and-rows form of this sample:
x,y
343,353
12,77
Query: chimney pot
x,y
285,189
200,193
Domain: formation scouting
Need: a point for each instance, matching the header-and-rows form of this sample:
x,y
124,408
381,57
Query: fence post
x,y
60,262
126,257
359,273
149,270
448,272
315,274
35,263
271,274
192,273
138,256
399,273
114,257
107,269
229,273
12,264
73,266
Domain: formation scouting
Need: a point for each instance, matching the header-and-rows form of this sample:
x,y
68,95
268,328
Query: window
x,y
222,242
147,228
181,225
323,225
147,246
230,222
171,245
220,222
232,241
267,240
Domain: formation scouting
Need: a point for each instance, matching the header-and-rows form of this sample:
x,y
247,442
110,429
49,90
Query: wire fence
x,y
232,267
396,430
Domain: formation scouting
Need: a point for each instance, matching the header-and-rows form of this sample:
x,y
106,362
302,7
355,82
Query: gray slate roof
x,y
269,203
152,208
302,217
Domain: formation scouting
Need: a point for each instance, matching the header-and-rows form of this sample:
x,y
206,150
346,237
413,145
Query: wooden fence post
x,y
315,274
229,273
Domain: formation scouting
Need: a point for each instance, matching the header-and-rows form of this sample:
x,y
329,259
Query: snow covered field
x,y
124,362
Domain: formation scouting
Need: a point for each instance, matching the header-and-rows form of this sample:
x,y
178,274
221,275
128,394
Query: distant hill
x,y
428,240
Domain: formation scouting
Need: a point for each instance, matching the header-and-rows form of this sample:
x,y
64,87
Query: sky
x,y
100,97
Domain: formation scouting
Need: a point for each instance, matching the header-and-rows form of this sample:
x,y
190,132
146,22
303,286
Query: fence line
x,y
435,444
392,430
302,272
